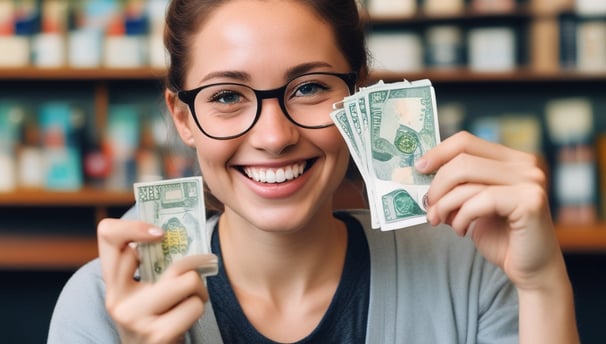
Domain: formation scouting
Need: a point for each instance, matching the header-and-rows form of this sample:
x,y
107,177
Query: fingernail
x,y
426,201
421,164
154,231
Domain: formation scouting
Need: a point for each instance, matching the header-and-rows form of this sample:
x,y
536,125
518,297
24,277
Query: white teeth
x,y
275,175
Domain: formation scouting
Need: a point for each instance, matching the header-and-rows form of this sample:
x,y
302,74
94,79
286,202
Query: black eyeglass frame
x,y
189,96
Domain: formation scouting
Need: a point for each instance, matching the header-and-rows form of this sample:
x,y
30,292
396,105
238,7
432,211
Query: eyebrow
x,y
241,76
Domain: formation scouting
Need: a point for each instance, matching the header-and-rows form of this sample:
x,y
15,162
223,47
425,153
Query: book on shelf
x,y
493,6
545,47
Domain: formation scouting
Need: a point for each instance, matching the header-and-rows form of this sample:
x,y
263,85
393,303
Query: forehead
x,y
268,36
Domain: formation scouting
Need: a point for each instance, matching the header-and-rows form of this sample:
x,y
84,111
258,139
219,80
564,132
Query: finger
x,y
464,142
444,209
179,319
192,262
172,291
114,236
518,205
123,274
465,168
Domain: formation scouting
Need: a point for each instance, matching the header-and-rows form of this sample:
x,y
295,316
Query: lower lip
x,y
277,190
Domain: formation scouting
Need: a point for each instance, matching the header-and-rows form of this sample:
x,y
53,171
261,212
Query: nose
x,y
273,132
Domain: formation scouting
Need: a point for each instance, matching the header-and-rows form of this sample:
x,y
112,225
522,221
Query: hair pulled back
x,y
185,17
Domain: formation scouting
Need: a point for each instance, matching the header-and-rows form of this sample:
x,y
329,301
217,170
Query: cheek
x,y
212,157
334,146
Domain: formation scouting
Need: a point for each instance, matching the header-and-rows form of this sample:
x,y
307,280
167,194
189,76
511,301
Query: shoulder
x,y
69,323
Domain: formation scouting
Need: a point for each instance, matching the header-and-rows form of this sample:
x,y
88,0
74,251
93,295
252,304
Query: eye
x,y
226,97
308,89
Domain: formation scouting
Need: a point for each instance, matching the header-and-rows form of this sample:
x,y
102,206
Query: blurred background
x,y
82,118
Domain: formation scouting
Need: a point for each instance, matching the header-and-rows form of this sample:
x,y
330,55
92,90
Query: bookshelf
x,y
61,250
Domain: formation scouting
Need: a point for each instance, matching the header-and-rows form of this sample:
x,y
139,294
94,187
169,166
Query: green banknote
x,y
403,127
387,127
176,206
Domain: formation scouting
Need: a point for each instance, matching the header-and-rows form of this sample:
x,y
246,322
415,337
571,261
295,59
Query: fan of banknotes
x,y
387,127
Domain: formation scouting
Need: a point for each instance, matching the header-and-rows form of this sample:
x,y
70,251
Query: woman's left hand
x,y
497,196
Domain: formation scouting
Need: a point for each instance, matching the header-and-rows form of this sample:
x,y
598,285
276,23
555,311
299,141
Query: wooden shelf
x,y
464,75
582,238
468,13
85,197
45,252
84,74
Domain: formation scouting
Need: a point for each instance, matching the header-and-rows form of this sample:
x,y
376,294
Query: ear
x,y
181,117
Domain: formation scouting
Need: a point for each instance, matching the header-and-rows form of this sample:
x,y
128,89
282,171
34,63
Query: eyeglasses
x,y
228,110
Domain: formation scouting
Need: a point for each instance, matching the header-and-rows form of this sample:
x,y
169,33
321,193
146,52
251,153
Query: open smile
x,y
274,175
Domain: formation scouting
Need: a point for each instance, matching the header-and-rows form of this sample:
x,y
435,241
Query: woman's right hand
x,y
159,312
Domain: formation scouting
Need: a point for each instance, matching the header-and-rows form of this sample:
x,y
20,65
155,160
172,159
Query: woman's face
x,y
263,44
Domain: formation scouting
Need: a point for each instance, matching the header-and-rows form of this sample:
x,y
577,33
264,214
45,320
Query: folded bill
x,y
387,127
176,206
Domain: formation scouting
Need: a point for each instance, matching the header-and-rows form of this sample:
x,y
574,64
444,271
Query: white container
x,y
84,48
49,50
15,51
8,181
31,168
125,51
590,7
395,51
492,49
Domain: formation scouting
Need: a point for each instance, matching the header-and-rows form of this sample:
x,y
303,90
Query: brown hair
x,y
184,18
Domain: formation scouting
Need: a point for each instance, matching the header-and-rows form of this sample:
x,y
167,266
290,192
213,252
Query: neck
x,y
275,263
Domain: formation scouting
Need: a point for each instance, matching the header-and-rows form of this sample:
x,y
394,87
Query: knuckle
x,y
535,198
104,227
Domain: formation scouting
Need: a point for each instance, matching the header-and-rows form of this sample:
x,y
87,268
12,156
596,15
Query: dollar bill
x,y
176,206
392,124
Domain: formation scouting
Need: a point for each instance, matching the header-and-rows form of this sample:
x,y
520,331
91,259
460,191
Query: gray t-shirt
x,y
427,285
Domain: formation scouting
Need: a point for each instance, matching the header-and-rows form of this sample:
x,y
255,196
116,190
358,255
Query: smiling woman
x,y
249,88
